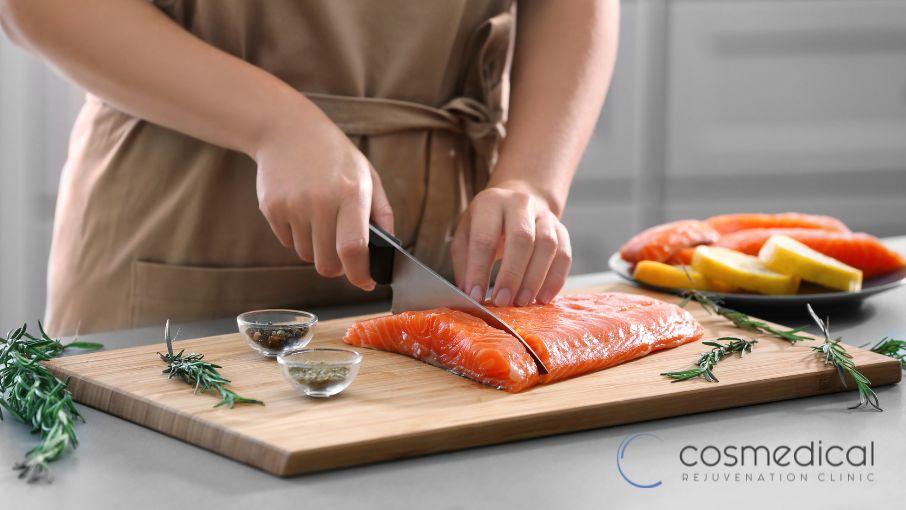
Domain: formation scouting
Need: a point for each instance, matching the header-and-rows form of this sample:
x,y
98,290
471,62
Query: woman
x,y
223,141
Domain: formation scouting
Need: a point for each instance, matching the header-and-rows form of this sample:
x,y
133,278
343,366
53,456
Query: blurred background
x,y
716,106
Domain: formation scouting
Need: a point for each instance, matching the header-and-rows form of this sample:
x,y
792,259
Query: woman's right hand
x,y
318,191
314,187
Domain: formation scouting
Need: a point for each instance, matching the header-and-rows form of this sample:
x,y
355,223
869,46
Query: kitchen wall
x,y
37,108
716,105
758,105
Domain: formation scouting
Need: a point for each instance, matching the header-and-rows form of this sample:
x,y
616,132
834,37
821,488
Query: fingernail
x,y
545,297
503,297
524,297
477,293
370,286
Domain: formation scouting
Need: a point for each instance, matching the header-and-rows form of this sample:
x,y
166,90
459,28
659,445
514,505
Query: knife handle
x,y
380,254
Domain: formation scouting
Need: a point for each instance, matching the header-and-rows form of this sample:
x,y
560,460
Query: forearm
x,y
135,58
564,57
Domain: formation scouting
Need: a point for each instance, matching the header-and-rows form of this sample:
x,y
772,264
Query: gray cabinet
x,y
748,106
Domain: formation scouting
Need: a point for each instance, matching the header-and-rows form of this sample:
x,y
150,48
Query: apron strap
x,y
481,120
371,116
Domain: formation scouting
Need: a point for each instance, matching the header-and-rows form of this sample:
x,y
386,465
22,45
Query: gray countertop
x,y
119,463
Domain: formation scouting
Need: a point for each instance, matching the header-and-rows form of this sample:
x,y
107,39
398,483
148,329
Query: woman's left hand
x,y
563,58
510,222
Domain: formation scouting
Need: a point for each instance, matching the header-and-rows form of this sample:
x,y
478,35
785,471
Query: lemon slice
x,y
719,286
671,277
676,277
743,271
788,256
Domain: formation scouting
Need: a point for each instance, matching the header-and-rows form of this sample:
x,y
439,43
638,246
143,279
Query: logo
x,y
644,461
621,453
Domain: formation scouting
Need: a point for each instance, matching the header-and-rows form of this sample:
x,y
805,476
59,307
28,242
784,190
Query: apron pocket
x,y
191,293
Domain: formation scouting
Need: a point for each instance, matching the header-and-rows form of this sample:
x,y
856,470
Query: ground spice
x,y
319,376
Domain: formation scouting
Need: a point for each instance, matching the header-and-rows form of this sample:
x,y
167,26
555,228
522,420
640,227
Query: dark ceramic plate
x,y
753,301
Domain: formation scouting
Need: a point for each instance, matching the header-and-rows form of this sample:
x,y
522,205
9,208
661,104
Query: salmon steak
x,y
573,335
662,242
729,223
859,250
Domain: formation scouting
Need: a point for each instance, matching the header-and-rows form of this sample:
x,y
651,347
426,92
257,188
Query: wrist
x,y
289,116
543,192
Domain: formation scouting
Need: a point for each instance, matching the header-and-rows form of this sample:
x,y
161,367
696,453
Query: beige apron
x,y
152,224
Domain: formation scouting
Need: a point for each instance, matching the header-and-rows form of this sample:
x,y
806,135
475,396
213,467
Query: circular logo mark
x,y
621,452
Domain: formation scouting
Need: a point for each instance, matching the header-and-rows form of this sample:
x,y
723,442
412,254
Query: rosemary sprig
x,y
741,320
708,360
832,350
204,375
36,397
835,354
895,349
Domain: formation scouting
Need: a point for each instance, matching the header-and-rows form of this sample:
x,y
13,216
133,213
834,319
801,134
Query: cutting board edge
x,y
205,434
886,371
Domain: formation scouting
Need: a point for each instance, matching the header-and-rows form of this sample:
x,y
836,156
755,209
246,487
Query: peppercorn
x,y
275,339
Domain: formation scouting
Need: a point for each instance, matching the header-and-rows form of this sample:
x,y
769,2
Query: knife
x,y
417,287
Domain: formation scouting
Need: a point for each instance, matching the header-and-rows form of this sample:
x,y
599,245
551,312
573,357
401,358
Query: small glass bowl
x,y
320,372
271,332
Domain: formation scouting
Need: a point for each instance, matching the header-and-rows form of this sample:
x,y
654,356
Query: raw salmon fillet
x,y
859,250
454,340
573,335
582,333
729,223
661,242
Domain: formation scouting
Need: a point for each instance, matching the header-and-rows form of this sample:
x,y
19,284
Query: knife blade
x,y
417,287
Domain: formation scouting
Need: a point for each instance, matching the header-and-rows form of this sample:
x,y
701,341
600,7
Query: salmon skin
x,y
729,223
859,250
660,243
573,335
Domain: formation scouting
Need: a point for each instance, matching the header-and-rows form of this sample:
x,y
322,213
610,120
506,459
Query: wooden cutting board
x,y
399,407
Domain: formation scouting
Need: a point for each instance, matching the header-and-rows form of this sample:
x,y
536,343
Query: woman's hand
x,y
318,191
511,222
562,64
